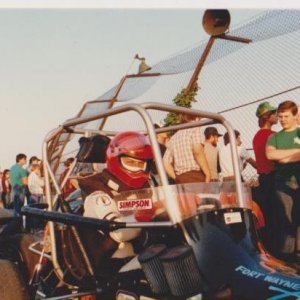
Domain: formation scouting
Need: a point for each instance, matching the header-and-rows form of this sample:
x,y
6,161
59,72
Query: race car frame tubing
x,y
142,111
57,268
76,220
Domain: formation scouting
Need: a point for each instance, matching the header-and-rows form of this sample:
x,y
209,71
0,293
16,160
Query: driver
x,y
128,158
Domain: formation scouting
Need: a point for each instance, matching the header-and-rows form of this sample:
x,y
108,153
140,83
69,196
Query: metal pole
x,y
200,64
56,265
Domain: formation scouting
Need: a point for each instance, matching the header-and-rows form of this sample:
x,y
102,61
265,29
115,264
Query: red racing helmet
x,y
128,157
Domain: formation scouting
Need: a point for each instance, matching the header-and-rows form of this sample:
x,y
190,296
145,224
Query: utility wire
x,y
259,100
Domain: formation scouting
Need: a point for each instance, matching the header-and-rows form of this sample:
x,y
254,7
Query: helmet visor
x,y
133,164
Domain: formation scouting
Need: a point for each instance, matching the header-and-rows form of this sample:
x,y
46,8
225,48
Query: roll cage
x,y
53,189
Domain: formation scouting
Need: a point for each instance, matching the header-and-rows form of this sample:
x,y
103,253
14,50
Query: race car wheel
x,y
12,286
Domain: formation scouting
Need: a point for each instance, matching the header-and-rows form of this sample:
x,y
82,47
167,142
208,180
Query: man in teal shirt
x,y
284,149
18,181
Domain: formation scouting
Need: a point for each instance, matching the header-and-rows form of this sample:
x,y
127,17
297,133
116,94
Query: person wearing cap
x,y
283,148
184,159
265,197
211,151
267,117
36,190
34,160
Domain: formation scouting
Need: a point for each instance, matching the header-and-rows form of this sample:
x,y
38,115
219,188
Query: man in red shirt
x,y
266,119
266,199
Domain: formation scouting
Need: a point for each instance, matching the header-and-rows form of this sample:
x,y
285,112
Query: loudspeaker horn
x,y
216,21
143,67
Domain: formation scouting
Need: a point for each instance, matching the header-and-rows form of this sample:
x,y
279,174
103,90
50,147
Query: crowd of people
x,y
22,184
189,158
277,160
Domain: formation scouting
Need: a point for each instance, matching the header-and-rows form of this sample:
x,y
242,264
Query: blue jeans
x,y
34,199
18,195
33,222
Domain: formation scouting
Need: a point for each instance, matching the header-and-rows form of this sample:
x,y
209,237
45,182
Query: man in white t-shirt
x,y
225,157
35,184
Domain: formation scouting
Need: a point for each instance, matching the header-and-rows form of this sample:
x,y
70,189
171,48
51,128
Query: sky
x,y
56,57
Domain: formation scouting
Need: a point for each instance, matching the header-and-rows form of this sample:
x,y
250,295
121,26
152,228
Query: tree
x,y
182,99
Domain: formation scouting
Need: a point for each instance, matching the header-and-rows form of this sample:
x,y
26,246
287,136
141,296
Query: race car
x,y
195,240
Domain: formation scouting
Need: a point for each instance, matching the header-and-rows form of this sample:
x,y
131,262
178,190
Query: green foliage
x,y
182,99
171,119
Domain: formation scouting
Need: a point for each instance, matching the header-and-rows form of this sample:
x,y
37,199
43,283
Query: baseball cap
x,y
211,131
264,108
32,158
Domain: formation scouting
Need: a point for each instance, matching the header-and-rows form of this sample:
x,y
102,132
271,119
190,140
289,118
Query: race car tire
x,y
12,285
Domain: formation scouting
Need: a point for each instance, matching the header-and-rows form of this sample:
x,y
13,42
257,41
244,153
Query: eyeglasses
x,y
133,164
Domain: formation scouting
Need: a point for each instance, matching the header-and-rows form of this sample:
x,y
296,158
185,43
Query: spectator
x,y
184,159
5,197
211,151
18,181
35,184
284,149
162,139
71,184
225,157
32,161
264,195
36,189
1,188
266,119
